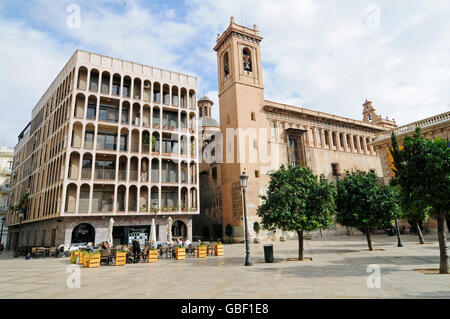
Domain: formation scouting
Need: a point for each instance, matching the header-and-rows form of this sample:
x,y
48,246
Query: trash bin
x,y
268,253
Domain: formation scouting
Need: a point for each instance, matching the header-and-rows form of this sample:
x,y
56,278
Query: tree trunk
x,y
300,244
443,266
419,232
369,240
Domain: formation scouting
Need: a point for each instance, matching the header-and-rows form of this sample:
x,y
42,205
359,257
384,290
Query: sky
x,y
325,55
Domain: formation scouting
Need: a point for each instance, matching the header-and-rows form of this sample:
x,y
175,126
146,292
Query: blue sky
x,y
321,54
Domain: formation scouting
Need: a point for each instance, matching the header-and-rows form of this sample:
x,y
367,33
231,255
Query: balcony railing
x,y
122,175
86,173
105,174
134,175
437,119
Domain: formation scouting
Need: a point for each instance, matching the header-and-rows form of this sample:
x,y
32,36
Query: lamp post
x,y
244,181
16,254
1,232
155,207
399,240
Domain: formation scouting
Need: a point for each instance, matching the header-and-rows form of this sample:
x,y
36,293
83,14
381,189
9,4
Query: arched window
x,y
226,64
247,60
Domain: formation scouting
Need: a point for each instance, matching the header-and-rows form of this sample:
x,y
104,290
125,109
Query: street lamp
x,y
21,215
155,207
244,181
1,232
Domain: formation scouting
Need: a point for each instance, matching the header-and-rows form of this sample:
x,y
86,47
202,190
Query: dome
x,y
205,98
207,121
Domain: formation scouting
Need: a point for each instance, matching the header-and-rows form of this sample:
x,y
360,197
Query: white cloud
x,y
318,54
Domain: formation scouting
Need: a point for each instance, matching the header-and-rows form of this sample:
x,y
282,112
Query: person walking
x,y
136,250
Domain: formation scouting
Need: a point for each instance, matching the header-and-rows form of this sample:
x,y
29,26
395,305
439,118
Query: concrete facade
x,y
109,138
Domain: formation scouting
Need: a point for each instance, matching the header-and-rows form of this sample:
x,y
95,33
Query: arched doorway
x,y
83,233
179,229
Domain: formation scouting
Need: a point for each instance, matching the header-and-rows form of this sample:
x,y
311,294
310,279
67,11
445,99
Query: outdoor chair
x,y
52,252
105,256
190,250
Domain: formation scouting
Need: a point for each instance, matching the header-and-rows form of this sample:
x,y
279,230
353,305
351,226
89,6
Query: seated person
x,y
187,242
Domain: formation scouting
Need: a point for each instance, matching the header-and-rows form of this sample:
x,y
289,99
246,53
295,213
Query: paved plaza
x,y
338,270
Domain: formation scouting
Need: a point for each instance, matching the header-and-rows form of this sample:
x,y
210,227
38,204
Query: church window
x,y
252,116
226,65
247,60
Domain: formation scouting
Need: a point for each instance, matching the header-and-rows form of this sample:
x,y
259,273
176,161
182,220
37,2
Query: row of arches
x,y
110,110
122,198
136,88
91,136
319,137
90,166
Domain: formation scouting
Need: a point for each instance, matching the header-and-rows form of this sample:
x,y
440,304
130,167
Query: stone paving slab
x,y
338,270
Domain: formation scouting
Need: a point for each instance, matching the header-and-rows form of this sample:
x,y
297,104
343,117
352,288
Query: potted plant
x,y
152,255
121,257
201,251
180,253
218,249
257,229
86,258
184,207
143,208
94,260
165,126
74,255
155,125
81,257
165,209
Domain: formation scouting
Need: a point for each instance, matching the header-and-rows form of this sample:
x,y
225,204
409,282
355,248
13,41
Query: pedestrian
x,y
136,250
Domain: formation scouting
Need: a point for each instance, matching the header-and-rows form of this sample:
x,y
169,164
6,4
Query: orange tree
x,y
423,174
297,200
364,204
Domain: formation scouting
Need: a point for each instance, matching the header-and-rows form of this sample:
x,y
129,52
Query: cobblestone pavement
x,y
338,270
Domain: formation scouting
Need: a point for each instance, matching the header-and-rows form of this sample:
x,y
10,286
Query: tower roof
x,y
204,98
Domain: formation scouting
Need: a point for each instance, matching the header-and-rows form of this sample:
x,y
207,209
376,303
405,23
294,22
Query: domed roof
x,y
207,121
205,98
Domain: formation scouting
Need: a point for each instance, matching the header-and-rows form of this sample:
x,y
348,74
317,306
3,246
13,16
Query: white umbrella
x,y
153,232
169,235
110,231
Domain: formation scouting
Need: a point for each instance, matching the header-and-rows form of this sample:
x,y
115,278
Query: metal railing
x,y
106,174
86,173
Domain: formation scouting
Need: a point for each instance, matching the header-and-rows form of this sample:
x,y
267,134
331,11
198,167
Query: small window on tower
x,y
247,59
256,173
226,65
253,116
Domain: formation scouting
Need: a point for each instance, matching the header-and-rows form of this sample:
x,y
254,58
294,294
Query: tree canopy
x,y
297,200
422,170
364,204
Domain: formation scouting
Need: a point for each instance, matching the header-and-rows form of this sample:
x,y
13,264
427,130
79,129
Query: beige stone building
x,y
109,138
432,127
6,163
257,135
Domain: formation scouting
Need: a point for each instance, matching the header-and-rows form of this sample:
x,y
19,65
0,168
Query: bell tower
x,y
241,102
